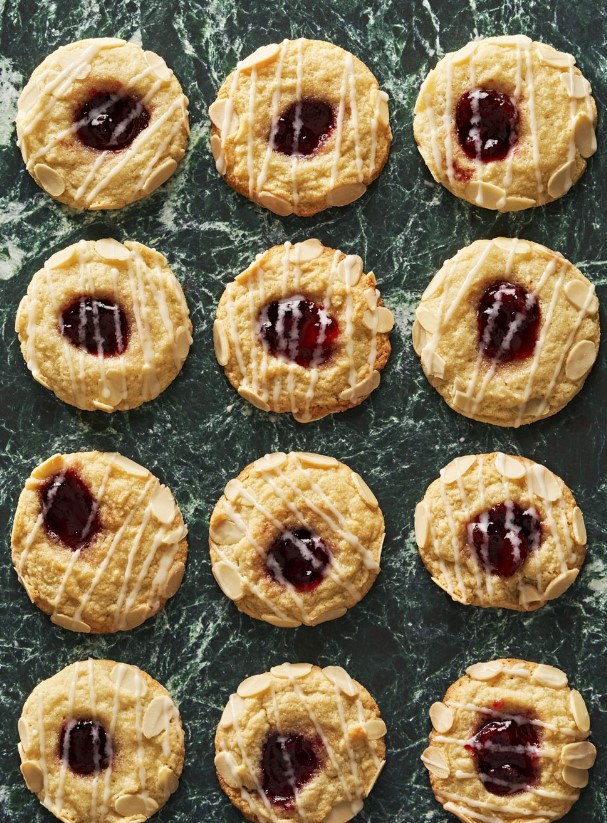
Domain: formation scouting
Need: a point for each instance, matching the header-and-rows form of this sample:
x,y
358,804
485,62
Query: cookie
x,y
500,530
507,331
296,538
509,744
300,743
102,123
506,123
105,325
101,741
303,330
98,542
300,126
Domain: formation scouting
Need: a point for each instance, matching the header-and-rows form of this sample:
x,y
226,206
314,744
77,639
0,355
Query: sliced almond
x,y
167,780
383,115
228,579
528,594
262,56
579,711
50,180
158,66
545,484
160,175
24,732
580,359
255,685
104,407
136,616
381,320
580,755
33,775
174,579
217,152
52,465
371,296
375,728
254,399
270,462
306,251
287,671
350,269
325,617
562,179
462,402
576,778
580,293
363,388
344,811
553,58
280,621
428,319
223,116
130,805
63,257
485,671
344,195
560,584
514,203
457,468
577,86
316,461
28,98
433,363
365,492
464,54
274,203
128,466
233,711
183,341
162,505
227,768
130,679
584,135
578,527
441,717
436,763
111,249
510,467
549,676
419,336
486,195
340,678
70,623
220,343
422,526
232,490
226,532
158,716
175,536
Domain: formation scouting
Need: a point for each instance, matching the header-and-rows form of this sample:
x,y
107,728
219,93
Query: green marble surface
x,y
406,641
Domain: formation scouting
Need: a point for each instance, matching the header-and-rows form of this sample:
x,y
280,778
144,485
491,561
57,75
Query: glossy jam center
x,y
99,326
508,319
85,746
299,558
503,536
299,330
110,121
506,752
287,763
69,510
487,124
303,128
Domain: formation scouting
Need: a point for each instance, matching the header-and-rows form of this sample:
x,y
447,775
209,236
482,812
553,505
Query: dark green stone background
x,y
406,641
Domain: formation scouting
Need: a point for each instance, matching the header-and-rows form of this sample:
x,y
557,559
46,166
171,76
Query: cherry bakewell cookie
x,y
509,744
102,123
300,126
296,538
98,543
105,325
303,330
500,530
507,331
300,743
101,741
506,123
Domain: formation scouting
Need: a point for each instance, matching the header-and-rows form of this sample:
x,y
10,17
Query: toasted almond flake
x,y
175,536
316,461
344,195
509,466
24,732
512,40
340,678
580,755
129,678
40,379
560,584
183,341
462,402
28,98
291,670
136,616
580,359
485,671
226,532
457,468
104,407
255,685
325,617
163,505
528,594
50,180
464,54
167,780
375,728
434,760
512,244
422,526
433,363
52,465
577,292
365,492
428,319
111,388
158,716
562,179
549,676
228,579
160,175
275,204
576,778
584,135
216,151
253,398
577,86
344,811
553,58
435,286
232,490
381,319
371,296
282,622
486,195
158,66
107,42
111,249
545,484
441,717
217,113
270,462
33,776
262,56
514,203
383,116
579,711
130,805
70,623
234,710
419,337
63,257
128,466
350,269
174,579
306,251
578,527
220,343
227,769
363,388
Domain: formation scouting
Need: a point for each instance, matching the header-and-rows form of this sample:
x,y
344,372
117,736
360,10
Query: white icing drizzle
x,y
250,132
532,117
298,122
277,93
349,62
66,741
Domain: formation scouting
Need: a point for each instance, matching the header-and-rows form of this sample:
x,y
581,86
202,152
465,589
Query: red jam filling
x,y
503,537
506,751
508,319
299,330
288,762
110,121
487,124
299,558
303,128
69,510
99,326
85,746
